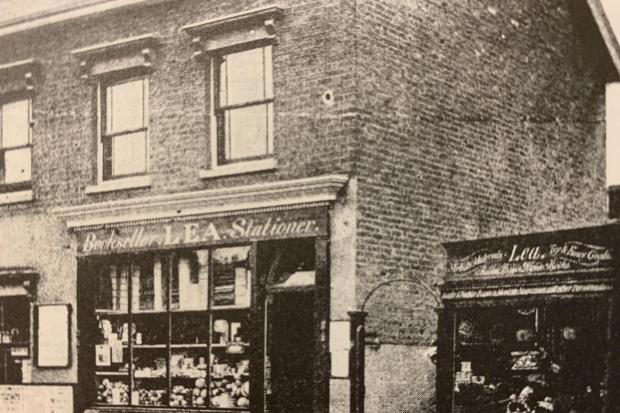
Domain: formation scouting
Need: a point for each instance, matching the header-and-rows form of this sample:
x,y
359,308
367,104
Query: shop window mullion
x,y
5,366
129,266
169,263
210,324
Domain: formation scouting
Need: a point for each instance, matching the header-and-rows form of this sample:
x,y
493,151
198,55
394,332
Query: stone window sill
x,y
133,182
239,168
16,197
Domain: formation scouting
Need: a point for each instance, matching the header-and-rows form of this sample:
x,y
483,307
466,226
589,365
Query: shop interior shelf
x,y
189,345
229,308
15,344
189,377
112,373
154,346
235,343
111,312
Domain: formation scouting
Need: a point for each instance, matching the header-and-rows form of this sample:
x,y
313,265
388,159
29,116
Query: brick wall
x,y
311,57
485,119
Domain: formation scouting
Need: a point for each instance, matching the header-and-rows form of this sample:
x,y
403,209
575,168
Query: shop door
x,y
292,351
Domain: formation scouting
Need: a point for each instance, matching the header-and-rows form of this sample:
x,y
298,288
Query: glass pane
x,y
129,154
295,264
242,77
125,106
111,345
550,356
17,164
193,273
149,334
230,366
246,132
15,123
188,368
231,277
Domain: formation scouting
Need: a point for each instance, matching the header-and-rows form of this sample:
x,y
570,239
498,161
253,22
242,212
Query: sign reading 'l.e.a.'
x,y
526,258
295,223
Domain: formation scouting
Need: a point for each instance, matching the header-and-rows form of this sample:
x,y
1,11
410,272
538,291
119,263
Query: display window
x,y
172,329
14,334
534,357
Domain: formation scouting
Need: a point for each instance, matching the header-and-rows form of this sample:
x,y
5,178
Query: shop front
x,y
526,323
186,306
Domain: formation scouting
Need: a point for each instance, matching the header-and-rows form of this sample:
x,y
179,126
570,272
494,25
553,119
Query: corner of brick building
x,y
483,119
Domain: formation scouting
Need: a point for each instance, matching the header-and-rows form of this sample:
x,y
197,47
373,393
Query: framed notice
x,y
53,335
37,398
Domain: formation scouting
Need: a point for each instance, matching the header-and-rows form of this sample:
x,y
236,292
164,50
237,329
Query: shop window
x,y
244,104
173,329
124,122
14,335
15,144
530,358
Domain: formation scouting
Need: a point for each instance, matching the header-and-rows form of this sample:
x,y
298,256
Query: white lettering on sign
x,y
545,258
179,234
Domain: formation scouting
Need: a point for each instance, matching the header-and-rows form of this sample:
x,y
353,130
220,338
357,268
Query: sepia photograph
x,y
309,206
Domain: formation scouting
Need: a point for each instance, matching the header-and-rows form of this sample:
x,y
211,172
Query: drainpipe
x,y
356,360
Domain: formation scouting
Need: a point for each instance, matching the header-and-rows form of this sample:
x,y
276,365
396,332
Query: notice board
x,y
42,399
53,335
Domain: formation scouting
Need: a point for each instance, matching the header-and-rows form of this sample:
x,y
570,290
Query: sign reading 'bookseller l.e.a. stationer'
x,y
532,254
296,223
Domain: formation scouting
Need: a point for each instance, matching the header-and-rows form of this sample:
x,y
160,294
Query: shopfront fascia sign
x,y
528,259
297,223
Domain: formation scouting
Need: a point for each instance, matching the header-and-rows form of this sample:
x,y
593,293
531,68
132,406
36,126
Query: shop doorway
x,y
292,351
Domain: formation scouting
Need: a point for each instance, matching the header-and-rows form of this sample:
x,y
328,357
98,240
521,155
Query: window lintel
x,y
118,55
22,71
246,26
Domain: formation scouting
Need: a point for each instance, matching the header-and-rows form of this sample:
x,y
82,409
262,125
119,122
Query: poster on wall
x,y
53,330
24,399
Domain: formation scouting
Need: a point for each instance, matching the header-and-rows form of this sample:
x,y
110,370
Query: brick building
x,y
185,244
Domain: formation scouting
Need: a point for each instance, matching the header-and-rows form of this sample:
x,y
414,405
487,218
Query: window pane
x,y
111,344
17,165
231,276
15,123
129,154
230,365
243,77
125,106
246,132
193,280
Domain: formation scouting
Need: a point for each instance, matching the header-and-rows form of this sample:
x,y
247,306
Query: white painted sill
x,y
239,168
16,197
133,182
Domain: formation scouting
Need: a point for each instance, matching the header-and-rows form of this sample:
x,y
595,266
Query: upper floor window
x,y
244,104
124,127
15,144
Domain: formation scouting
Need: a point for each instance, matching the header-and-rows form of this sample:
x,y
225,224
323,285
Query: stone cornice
x,y
264,13
144,40
279,194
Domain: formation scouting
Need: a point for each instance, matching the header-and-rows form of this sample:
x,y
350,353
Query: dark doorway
x,y
292,351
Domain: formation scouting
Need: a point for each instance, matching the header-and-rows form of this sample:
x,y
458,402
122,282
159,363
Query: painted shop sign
x,y
524,259
205,231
